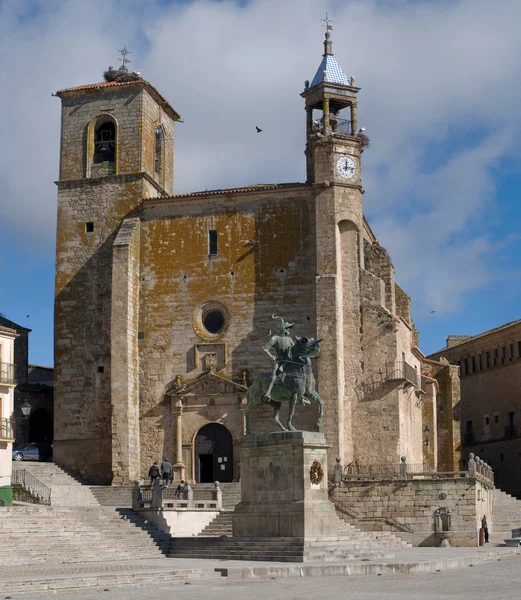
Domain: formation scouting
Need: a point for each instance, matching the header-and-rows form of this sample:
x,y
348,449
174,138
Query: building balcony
x,y
399,372
7,373
6,430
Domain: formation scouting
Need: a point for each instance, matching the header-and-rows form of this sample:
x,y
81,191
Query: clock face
x,y
346,167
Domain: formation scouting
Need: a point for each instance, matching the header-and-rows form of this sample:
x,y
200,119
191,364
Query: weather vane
x,y
327,22
125,61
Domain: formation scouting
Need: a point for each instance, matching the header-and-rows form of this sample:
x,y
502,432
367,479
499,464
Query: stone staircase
x,y
36,534
66,490
220,526
113,495
506,513
215,541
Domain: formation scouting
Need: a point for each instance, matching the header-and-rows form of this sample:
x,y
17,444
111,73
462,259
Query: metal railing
x,y
7,373
34,486
399,370
6,429
342,126
403,470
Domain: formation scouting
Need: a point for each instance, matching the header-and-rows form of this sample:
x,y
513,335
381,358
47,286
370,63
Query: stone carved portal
x,y
213,454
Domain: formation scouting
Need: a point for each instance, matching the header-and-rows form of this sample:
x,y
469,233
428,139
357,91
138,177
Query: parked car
x,y
33,451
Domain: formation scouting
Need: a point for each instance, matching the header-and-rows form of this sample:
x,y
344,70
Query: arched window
x,y
105,143
158,156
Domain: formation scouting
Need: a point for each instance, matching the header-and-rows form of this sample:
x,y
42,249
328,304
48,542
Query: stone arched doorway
x,y
40,427
213,454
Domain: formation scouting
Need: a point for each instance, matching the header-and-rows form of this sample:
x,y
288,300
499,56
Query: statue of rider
x,y
282,344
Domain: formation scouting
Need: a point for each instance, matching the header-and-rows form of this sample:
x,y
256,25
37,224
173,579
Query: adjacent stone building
x,y
164,301
34,385
490,371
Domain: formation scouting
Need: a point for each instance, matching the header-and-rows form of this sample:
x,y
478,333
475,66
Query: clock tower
x,y
333,152
328,94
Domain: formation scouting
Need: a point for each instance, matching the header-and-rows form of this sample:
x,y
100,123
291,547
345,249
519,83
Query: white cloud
x,y
432,74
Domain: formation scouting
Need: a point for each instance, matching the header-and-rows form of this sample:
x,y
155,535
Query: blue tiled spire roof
x,y
329,70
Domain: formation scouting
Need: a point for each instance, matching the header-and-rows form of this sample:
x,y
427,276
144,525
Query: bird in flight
x,y
258,129
432,311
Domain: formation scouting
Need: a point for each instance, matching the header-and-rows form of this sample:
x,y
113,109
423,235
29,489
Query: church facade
x,y
163,302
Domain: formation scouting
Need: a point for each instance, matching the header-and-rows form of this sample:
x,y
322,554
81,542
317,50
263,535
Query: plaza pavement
x,y
499,578
71,580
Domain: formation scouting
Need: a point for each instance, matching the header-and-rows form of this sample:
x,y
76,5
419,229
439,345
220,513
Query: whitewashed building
x,y
7,385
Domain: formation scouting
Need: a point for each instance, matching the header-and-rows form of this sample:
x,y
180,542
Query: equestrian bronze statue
x,y
291,379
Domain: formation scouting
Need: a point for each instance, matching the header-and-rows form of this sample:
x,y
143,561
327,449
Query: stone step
x,y
221,525
33,535
93,581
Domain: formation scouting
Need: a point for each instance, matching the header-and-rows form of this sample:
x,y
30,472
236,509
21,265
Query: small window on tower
x,y
212,242
89,227
158,157
105,143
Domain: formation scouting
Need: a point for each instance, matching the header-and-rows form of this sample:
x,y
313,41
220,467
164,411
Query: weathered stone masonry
x,y
139,374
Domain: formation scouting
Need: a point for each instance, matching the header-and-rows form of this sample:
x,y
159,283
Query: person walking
x,y
484,524
153,473
180,489
166,469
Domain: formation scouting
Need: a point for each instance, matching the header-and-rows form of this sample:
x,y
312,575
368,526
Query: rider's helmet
x,y
284,325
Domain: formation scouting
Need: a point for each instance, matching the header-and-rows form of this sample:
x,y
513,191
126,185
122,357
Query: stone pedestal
x,y
284,487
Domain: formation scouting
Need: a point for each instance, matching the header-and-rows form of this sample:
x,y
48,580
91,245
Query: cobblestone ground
x,y
500,579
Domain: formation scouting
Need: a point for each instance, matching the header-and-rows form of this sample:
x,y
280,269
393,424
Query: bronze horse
x,y
296,385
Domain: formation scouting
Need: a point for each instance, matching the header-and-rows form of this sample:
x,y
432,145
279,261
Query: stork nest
x,y
364,140
120,75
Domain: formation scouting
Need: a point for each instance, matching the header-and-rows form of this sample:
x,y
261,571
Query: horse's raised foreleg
x,y
292,403
276,413
314,395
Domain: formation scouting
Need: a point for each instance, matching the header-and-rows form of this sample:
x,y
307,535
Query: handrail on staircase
x,y
34,486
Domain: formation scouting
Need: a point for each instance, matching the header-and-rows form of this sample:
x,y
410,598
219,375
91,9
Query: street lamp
x,y
26,409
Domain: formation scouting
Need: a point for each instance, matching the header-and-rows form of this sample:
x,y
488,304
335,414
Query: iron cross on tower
x,y
125,61
327,22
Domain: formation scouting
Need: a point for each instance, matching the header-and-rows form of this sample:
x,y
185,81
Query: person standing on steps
x,y
484,524
166,469
153,473
180,489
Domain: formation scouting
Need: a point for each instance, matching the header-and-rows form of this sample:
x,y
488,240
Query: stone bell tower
x,y
333,169
117,140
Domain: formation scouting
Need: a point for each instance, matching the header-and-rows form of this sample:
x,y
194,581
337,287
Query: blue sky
x,y
440,96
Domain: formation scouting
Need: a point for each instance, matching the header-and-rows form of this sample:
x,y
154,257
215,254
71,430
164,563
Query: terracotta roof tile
x,y
234,190
109,84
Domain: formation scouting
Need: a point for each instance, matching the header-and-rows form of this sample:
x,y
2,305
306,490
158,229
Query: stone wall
x,y
83,294
124,374
132,290
407,507
490,371
448,432
261,267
